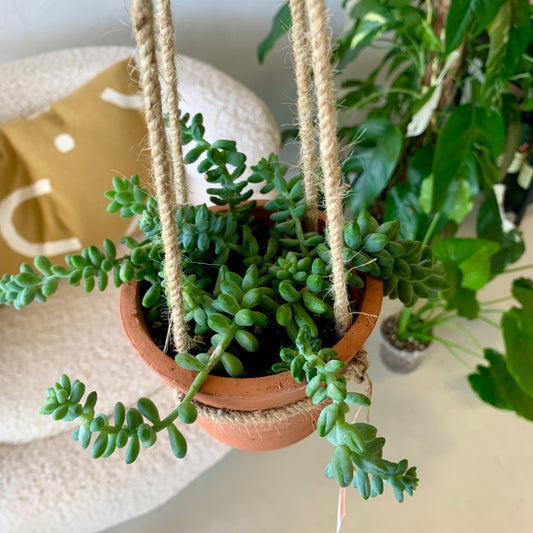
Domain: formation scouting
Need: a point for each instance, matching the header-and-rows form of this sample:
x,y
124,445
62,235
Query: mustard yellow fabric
x,y
55,167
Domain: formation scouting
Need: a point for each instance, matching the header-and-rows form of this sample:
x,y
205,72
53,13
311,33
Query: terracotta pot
x,y
248,394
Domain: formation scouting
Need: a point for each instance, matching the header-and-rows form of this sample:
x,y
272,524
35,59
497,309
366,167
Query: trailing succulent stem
x,y
133,428
358,450
240,280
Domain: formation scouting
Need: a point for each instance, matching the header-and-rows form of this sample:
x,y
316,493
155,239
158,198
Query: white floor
x,y
475,463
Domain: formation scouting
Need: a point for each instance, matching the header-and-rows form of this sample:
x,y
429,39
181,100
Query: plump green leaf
x,y
362,483
232,365
356,398
247,340
327,419
122,438
148,409
99,446
84,436
133,450
177,441
342,466
187,412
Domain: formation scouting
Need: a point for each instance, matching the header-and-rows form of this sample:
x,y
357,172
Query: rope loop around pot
x,y
354,372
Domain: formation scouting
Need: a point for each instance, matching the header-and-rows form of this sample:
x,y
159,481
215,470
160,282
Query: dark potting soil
x,y
256,364
389,329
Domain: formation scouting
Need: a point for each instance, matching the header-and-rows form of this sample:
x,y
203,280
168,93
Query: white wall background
x,y
224,33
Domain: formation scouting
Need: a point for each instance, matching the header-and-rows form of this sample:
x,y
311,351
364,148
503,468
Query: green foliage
x,y
463,13
443,104
240,277
373,159
506,382
468,126
440,129
132,428
280,25
356,445
468,267
221,163
407,268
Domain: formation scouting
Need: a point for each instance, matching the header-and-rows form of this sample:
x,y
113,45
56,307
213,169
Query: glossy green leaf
x,y
471,256
370,27
281,24
461,204
463,12
375,158
402,204
517,326
495,385
509,35
490,227
468,124
522,290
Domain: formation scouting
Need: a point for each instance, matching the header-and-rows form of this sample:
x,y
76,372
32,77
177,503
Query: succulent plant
x,y
239,278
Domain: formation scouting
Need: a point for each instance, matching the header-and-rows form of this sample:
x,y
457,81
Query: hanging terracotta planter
x,y
249,394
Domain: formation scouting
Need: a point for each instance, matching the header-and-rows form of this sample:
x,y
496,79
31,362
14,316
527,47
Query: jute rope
x,y
166,189
168,61
327,122
143,21
354,372
306,127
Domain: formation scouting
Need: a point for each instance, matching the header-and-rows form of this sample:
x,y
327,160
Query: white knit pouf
x,y
47,482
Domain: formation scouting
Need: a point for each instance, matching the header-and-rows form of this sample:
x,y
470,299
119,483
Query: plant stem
x,y
197,383
299,233
459,358
378,94
496,300
202,375
517,269
486,320
429,231
449,344
463,330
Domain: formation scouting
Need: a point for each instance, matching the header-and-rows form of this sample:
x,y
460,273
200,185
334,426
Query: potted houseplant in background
x,y
241,282
444,108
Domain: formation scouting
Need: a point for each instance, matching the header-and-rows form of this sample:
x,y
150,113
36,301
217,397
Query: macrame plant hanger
x,y
169,174
167,162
